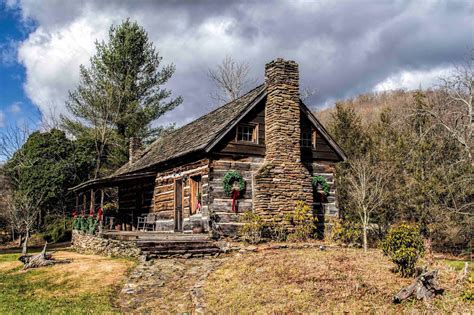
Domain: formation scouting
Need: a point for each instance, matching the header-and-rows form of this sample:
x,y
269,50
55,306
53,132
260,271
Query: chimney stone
x,y
283,179
135,148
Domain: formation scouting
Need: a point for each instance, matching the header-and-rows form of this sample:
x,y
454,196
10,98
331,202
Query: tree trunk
x,y
425,287
40,260
365,226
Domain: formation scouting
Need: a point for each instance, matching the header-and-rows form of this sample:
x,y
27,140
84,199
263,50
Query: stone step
x,y
161,245
230,229
227,217
190,252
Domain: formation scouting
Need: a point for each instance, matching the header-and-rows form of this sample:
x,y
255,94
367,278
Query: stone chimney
x,y
135,148
283,179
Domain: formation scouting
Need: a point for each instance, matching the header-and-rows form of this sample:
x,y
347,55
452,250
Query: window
x,y
196,191
308,139
247,133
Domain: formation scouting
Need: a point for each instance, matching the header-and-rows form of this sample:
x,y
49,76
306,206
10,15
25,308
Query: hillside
x,y
370,105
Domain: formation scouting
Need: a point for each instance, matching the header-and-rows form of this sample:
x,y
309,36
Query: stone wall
x,y
283,179
96,245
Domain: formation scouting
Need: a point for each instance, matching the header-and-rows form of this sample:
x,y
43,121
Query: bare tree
x,y
12,137
453,109
307,93
23,209
231,79
367,189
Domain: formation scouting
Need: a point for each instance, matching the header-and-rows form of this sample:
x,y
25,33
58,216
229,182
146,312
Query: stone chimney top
x,y
280,71
135,148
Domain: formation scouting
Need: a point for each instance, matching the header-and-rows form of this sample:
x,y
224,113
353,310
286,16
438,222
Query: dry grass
x,y
309,281
86,285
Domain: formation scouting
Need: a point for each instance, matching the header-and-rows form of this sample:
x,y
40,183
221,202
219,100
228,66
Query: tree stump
x,y
425,287
42,259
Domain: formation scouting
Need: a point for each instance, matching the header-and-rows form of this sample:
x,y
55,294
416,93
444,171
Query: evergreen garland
x,y
319,180
229,178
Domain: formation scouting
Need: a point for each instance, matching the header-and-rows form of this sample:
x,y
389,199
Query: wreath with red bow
x,y
235,192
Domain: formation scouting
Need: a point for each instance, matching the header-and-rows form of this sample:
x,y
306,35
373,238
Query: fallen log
x,y
425,287
42,259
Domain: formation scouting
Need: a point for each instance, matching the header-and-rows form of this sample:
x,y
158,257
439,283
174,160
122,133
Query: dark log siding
x,y
135,199
230,146
220,204
323,150
327,205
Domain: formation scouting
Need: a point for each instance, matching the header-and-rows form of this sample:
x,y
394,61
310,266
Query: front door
x,y
178,205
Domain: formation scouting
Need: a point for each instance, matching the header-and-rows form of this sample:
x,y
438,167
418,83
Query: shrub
x,y
346,232
302,221
404,245
275,231
252,229
57,228
86,224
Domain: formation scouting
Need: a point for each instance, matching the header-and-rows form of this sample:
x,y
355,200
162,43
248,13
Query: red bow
x,y
235,195
99,214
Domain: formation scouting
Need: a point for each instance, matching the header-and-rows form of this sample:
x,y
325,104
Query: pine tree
x,y
120,94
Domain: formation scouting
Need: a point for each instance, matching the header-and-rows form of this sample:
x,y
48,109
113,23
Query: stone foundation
x,y
96,245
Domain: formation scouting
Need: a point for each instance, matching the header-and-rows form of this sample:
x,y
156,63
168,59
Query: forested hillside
x,y
410,159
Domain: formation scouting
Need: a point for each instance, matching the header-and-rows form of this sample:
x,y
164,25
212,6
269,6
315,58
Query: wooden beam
x,y
92,207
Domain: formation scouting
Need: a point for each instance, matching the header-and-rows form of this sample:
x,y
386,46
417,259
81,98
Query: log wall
x,y
164,195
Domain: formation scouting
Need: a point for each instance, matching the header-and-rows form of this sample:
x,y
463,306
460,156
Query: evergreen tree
x,y
120,94
46,166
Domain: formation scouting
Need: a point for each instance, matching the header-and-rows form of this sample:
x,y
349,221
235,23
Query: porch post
x,y
101,222
92,208
84,202
77,202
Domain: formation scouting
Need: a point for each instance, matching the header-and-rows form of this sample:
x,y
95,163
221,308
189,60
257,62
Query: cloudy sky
x,y
343,47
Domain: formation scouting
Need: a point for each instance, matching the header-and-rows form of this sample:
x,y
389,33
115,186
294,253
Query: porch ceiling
x,y
110,181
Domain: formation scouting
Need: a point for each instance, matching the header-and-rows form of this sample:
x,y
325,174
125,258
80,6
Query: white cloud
x,y
15,108
411,80
343,48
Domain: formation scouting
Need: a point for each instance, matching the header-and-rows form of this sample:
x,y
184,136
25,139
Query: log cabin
x,y
268,137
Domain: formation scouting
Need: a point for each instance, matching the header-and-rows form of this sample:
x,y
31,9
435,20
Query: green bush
x,y
85,224
404,245
346,232
302,221
275,231
57,228
252,229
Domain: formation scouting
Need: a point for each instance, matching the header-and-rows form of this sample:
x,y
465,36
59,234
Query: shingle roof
x,y
192,137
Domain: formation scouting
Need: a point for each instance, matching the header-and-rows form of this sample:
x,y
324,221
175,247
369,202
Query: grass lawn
x,y
85,286
310,281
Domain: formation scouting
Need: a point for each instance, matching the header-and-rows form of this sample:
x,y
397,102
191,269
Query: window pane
x,y
246,133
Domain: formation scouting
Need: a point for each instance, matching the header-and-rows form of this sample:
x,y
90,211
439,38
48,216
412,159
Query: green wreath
x,y
229,179
319,180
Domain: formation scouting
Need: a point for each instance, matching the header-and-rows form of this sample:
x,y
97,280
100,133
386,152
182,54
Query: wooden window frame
x,y
193,188
255,134
313,136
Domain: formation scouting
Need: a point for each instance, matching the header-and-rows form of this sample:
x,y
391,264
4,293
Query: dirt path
x,y
166,286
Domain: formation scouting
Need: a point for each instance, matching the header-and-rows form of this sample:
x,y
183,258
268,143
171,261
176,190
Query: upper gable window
x,y
308,139
247,133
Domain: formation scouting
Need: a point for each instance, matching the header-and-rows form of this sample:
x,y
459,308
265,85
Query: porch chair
x,y
146,221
